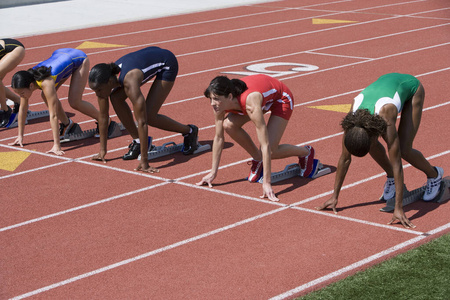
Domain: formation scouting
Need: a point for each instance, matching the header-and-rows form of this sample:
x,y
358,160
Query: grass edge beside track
x,y
421,273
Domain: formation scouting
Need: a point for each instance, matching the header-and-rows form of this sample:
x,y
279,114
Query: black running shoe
x,y
97,131
64,130
111,128
133,152
16,108
4,117
190,141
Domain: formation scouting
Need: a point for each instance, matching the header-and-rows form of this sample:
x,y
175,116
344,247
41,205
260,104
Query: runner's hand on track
x,y
268,192
100,156
400,215
332,202
17,142
146,169
56,150
208,179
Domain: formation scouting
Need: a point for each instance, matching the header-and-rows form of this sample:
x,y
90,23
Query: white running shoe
x,y
389,189
433,185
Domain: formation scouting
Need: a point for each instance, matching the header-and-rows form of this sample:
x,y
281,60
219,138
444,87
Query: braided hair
x,y
359,128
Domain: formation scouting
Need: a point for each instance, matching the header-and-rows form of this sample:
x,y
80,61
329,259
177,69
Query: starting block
x,y
78,134
31,115
293,170
417,194
171,148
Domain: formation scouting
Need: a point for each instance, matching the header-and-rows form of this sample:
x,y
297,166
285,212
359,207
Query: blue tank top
x,y
63,63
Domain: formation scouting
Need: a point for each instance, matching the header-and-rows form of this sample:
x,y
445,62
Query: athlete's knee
x,y
406,153
75,104
229,126
152,120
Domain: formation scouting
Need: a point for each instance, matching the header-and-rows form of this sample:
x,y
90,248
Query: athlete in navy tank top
x,y
123,79
151,61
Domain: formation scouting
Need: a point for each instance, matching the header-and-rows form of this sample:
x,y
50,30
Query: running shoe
x,y
190,143
307,166
389,188
97,131
5,116
433,185
65,130
133,152
14,116
16,107
256,171
111,127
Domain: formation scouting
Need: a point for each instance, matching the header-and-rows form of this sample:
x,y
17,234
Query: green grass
x,y
421,273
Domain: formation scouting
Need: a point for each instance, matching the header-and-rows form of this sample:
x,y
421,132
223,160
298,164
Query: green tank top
x,y
393,88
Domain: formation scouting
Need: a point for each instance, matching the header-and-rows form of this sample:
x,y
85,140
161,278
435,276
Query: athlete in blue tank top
x,y
48,76
63,63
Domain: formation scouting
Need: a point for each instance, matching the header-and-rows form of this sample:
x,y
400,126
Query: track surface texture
x,y
74,228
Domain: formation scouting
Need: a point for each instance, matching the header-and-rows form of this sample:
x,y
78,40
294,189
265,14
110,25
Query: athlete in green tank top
x,y
394,88
374,114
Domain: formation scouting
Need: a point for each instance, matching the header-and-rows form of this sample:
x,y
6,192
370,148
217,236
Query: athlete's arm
x,y
49,92
341,171
217,147
103,104
253,107
132,86
389,113
21,120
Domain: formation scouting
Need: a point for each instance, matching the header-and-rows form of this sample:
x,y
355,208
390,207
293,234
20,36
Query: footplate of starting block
x,y
417,194
78,134
171,148
293,170
31,115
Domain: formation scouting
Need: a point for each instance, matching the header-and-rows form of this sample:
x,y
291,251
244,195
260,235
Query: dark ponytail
x,y
23,79
41,72
101,73
222,86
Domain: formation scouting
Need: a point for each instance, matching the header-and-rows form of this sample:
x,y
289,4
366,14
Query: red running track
x,y
75,228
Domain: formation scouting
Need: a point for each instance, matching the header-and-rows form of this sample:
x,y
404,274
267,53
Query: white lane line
x,y
311,51
274,10
259,26
361,263
373,224
145,255
63,212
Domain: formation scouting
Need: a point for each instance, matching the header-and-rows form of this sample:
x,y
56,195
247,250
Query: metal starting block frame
x,y
417,194
293,170
79,134
31,115
171,148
